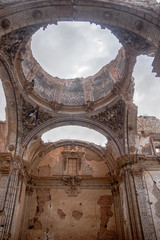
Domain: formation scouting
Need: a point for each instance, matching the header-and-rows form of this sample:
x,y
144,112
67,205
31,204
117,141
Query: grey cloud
x,y
74,46
147,88
74,132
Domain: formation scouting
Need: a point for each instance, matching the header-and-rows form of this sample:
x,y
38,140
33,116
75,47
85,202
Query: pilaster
x,y
118,212
25,217
139,210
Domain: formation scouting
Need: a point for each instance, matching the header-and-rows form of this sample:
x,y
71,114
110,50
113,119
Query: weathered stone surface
x,y
113,118
57,202
77,215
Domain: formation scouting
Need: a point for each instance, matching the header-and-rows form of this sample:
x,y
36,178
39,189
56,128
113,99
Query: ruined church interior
x,y
73,188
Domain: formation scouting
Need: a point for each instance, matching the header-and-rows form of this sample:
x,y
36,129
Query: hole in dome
x,y
147,86
74,49
74,133
2,103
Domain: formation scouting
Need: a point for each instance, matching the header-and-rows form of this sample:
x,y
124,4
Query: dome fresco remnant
x,y
75,91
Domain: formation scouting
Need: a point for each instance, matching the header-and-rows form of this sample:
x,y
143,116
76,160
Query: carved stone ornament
x,y
5,23
113,118
10,43
89,106
132,40
28,86
115,190
129,160
32,116
5,163
55,106
116,88
137,170
37,14
72,185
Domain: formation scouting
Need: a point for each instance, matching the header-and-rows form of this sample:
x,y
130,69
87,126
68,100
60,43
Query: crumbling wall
x,y
147,125
62,216
52,164
148,131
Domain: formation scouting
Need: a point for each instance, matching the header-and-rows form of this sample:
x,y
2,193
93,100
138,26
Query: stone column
x,y
139,209
26,212
134,215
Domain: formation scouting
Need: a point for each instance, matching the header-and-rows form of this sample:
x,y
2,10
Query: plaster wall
x,y
19,208
63,216
52,164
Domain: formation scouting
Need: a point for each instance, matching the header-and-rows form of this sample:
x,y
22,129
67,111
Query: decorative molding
x,y
10,43
113,118
132,159
89,106
55,106
28,86
32,116
73,184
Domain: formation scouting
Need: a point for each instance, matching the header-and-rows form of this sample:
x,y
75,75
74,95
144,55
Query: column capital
x,y
130,159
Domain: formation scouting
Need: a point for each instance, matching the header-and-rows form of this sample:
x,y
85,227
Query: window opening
x,y
72,166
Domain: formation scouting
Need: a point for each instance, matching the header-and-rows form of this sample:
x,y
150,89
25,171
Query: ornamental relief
x,y
113,118
10,43
32,116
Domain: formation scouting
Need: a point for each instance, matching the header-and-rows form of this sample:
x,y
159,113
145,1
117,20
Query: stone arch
x,y
52,146
79,121
12,124
104,13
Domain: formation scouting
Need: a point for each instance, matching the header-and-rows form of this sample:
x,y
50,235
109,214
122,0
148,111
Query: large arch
x,y
53,123
44,150
7,78
104,13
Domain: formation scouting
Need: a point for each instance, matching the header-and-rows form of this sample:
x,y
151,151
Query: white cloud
x,y
147,87
64,49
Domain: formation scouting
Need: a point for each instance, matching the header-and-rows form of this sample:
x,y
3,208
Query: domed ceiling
x,y
74,94
77,91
